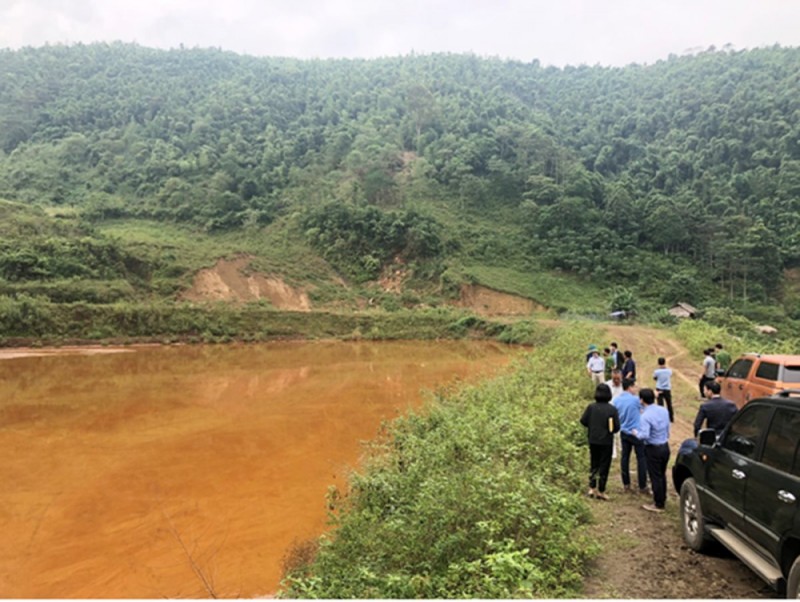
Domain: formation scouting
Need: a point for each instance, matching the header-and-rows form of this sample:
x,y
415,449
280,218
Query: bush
x,y
25,315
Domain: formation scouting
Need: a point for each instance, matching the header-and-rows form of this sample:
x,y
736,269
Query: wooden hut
x,y
683,310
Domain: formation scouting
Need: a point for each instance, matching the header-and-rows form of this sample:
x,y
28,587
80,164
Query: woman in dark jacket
x,y
602,420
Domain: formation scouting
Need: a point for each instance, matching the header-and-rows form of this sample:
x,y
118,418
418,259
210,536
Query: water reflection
x,y
169,471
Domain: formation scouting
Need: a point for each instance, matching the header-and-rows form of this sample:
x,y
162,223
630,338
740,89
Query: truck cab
x,y
755,375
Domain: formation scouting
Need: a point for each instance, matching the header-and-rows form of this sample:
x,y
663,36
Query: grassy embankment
x,y
478,495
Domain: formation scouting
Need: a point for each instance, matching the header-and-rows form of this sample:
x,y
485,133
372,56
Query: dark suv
x,y
743,489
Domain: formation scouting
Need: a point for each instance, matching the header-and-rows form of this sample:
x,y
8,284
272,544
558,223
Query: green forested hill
x,y
679,180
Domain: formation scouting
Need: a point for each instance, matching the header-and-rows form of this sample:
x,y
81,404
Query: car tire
x,y
693,523
793,583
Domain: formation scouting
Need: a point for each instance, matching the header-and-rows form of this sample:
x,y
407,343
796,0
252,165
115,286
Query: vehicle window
x,y
791,374
783,439
740,368
767,370
746,430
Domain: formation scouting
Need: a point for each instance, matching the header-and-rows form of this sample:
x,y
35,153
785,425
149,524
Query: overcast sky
x,y
557,32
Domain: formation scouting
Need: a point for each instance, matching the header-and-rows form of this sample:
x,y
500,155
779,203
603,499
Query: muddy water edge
x,y
186,470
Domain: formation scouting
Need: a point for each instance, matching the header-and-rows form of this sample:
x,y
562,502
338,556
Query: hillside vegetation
x,y
125,170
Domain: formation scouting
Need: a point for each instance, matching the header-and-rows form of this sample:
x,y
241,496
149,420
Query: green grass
x,y
277,248
554,291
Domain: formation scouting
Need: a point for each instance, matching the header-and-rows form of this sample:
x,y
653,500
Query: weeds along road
x,y
643,553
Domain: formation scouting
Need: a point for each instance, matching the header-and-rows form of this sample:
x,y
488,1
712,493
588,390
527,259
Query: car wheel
x,y
793,583
693,522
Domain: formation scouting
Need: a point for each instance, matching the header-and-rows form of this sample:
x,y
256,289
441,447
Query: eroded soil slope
x,y
231,280
489,302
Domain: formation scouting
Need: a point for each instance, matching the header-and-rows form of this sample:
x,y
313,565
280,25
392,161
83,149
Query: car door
x,y
730,464
763,382
772,494
735,380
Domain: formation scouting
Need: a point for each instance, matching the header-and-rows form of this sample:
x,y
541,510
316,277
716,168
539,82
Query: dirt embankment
x,y
643,554
489,302
232,280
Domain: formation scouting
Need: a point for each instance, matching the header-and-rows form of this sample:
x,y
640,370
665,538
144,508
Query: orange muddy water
x,y
180,471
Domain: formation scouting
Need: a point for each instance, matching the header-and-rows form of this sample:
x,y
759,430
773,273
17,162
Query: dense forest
x,y
677,181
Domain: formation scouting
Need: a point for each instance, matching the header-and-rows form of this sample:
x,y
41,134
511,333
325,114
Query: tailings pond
x,y
152,472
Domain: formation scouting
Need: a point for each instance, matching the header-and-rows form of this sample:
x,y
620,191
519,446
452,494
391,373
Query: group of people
x,y
643,425
716,360
600,368
639,419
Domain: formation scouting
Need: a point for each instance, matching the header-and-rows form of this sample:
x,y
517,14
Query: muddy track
x,y
643,555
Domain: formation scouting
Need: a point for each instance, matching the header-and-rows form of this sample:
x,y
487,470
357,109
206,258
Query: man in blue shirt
x,y
629,408
654,432
663,377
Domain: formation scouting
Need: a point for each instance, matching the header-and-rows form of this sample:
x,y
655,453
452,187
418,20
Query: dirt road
x,y
643,554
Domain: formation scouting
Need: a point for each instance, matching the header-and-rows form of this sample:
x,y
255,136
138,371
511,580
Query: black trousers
x,y
629,442
665,397
702,384
657,460
600,464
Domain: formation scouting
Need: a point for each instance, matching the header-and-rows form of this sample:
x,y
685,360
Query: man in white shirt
x,y
709,372
596,367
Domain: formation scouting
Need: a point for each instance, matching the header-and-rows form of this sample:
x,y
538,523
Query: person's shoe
x,y
601,496
592,493
652,508
626,489
645,491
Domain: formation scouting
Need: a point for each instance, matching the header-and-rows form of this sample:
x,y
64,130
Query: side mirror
x,y
708,437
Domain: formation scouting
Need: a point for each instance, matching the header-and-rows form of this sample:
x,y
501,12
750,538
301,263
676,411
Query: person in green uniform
x,y
723,358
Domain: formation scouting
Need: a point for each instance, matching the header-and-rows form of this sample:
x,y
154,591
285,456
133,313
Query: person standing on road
x,y
629,409
663,377
602,421
654,432
615,385
609,363
629,367
616,355
723,358
709,371
596,367
716,412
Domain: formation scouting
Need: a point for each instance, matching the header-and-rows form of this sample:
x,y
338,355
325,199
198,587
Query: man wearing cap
x,y
596,366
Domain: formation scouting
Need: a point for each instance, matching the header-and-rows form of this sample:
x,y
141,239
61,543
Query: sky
x,y
555,32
